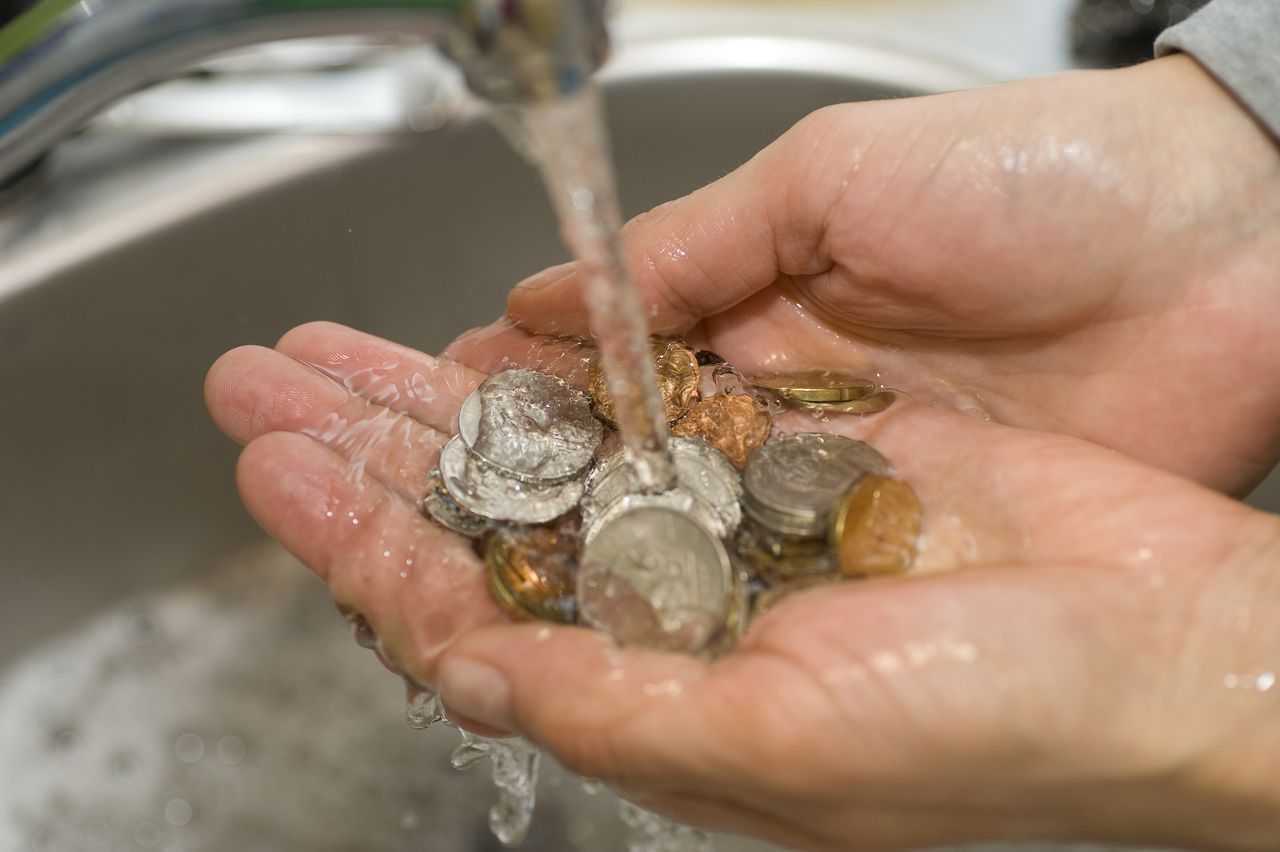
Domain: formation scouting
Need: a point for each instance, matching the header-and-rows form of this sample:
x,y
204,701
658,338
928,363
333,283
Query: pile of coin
x,y
537,478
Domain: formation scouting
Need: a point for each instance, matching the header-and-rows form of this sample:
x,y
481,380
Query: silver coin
x,y
530,425
657,578
484,490
445,511
704,478
792,483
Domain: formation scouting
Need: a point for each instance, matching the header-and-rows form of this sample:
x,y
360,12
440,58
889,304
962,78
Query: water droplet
x,y
1265,681
177,812
189,748
424,708
409,821
42,841
231,750
143,630
123,765
147,835
67,744
98,832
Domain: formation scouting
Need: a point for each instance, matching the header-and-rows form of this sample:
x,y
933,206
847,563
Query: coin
x,y
531,573
876,528
777,558
705,480
676,366
792,483
656,578
444,510
816,385
530,425
732,424
873,404
484,490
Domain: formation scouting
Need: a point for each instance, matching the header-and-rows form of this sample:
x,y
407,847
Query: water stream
x,y
566,138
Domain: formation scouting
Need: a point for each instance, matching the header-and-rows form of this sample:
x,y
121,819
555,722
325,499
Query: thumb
x,y
628,717
696,256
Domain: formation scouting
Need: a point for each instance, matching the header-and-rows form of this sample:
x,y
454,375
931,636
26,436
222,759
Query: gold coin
x,y
816,386
873,404
676,366
876,527
733,424
531,573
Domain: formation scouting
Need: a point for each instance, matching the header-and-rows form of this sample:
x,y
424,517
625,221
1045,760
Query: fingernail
x,y
476,691
547,277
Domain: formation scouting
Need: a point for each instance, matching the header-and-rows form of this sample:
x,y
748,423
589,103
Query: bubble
x,y
409,821
42,841
231,750
67,743
98,832
189,748
177,812
123,765
147,835
143,630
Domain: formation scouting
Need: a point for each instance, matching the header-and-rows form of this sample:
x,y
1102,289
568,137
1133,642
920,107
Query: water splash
x,y
649,832
425,708
515,773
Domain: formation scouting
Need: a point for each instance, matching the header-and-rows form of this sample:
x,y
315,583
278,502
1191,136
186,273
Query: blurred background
x,y
169,680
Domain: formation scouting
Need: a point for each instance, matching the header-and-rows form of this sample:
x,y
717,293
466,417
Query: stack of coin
x,y
670,570
790,489
826,391
525,440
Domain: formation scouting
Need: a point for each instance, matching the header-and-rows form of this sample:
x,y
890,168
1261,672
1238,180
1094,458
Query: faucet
x,y
63,61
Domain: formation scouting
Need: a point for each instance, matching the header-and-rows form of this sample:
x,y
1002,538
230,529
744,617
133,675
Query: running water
x,y
566,138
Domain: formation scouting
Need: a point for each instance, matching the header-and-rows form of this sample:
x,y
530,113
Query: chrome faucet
x,y
63,61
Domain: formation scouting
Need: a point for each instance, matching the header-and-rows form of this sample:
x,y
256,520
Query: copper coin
x,y
732,424
677,371
532,572
816,385
876,527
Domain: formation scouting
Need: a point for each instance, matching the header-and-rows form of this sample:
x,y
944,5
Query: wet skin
x,y
1094,255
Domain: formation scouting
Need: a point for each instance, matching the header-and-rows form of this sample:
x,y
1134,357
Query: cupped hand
x,y
1099,670
1092,254
1104,666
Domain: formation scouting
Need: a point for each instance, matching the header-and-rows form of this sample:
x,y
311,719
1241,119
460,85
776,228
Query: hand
x,y
1091,254
1071,683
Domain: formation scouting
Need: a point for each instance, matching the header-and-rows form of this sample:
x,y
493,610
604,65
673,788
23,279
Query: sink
x,y
168,678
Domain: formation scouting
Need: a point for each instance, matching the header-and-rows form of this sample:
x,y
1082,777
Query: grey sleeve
x,y
1238,41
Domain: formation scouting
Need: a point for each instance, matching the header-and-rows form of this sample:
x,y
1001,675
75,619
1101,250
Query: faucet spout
x,y
63,61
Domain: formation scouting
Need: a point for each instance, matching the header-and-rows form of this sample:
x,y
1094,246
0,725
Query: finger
x,y
503,344
417,585
428,389
638,720
706,252
252,391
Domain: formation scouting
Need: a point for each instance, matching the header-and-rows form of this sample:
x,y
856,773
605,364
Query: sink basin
x,y
168,678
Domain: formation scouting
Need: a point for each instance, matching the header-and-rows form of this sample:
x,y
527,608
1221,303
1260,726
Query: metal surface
x,y
62,62
136,265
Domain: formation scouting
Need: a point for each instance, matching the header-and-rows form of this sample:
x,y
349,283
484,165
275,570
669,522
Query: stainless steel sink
x,y
141,607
